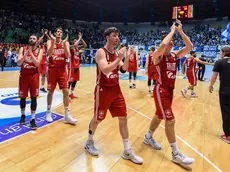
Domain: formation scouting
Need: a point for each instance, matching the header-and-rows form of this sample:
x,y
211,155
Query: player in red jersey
x,y
74,66
58,52
43,65
29,59
133,63
151,70
108,95
190,64
43,68
165,63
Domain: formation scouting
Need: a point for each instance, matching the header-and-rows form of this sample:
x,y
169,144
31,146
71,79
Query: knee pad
x,y
134,75
33,103
74,84
69,84
130,75
149,82
23,103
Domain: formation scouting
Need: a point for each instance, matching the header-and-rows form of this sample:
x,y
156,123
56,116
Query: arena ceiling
x,y
113,10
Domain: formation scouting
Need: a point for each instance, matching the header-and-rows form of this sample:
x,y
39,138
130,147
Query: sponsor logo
x,y
171,66
14,130
11,113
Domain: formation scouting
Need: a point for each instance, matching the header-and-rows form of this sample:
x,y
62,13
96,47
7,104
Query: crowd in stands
x,y
15,29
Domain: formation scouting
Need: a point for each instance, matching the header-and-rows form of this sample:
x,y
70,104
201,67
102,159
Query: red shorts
x,y
28,82
152,75
57,75
132,67
42,69
192,78
74,74
163,101
109,98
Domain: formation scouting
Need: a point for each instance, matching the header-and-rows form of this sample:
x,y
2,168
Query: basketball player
x,y
165,63
29,59
108,95
133,63
74,67
151,70
58,52
190,64
43,65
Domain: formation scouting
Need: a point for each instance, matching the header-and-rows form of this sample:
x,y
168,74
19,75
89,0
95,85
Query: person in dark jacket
x,y
222,67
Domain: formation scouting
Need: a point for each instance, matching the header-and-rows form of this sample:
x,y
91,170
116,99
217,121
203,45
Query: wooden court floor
x,y
60,147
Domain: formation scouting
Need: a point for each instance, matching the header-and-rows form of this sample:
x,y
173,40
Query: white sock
x,y
192,92
126,144
149,88
66,110
149,134
90,137
174,148
42,86
33,115
71,91
49,108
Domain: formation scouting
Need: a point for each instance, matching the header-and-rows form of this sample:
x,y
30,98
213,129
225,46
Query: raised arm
x,y
67,49
183,67
124,65
21,57
147,63
158,53
188,44
51,44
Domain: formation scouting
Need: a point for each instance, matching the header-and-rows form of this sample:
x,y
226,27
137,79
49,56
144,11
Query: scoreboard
x,y
183,12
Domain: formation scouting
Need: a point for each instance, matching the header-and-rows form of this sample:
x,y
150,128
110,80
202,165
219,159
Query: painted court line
x,y
187,144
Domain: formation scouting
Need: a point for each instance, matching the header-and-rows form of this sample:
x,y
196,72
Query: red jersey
x,y
28,66
75,58
58,58
44,59
166,70
133,58
190,64
112,79
151,65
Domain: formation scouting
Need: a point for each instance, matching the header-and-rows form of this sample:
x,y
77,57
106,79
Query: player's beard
x,y
31,43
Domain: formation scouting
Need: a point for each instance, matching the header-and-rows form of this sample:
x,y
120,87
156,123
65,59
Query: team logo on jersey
x,y
101,114
112,75
170,75
131,57
29,59
168,113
